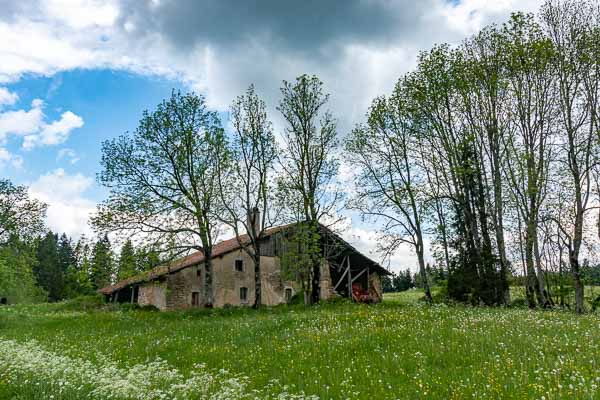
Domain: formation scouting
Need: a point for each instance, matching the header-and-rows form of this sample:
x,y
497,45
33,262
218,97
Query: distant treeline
x,y
53,267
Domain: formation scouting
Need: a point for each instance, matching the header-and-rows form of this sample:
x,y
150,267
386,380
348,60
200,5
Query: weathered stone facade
x,y
177,290
153,293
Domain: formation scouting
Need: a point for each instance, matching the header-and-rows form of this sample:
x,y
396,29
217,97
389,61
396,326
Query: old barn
x,y
344,272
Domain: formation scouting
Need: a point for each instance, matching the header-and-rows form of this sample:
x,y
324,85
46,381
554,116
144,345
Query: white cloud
x,y
32,125
7,97
54,133
8,158
68,207
21,122
82,13
69,154
63,35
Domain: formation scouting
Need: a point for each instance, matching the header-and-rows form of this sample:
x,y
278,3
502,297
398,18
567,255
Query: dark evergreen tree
x,y
67,264
102,264
404,280
127,261
387,283
47,270
146,259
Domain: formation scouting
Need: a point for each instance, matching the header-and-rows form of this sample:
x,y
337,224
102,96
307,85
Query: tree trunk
x,y
577,240
533,285
422,271
499,230
316,287
574,262
208,292
578,285
257,279
540,274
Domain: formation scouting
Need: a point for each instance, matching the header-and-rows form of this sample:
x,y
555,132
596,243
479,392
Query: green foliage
x,y
301,251
127,265
438,352
19,215
17,281
48,270
101,264
163,178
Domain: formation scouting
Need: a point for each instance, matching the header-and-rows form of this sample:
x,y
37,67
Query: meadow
x,y
400,349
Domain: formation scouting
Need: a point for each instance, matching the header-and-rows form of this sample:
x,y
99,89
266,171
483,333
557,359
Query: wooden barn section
x,y
179,285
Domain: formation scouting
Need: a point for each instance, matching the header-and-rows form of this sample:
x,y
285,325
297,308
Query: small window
x,y
243,294
198,272
195,299
239,265
288,294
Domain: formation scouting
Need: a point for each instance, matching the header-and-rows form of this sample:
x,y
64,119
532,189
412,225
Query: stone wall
x,y
153,293
375,288
176,292
325,283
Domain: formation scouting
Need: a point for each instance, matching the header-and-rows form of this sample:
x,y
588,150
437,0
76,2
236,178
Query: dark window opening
x,y
198,272
195,299
3,301
288,295
243,294
239,265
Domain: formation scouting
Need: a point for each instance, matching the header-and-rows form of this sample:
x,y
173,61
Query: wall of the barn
x,y
176,291
153,293
375,288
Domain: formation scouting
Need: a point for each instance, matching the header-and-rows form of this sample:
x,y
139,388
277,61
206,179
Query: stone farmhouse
x,y
180,285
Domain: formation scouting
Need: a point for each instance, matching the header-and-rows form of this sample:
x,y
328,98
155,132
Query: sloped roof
x,y
196,258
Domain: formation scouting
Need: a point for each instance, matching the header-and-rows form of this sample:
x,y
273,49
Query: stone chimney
x,y
254,220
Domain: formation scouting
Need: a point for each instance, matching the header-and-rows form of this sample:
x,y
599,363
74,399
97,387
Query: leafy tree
x,y
67,262
17,281
146,259
309,163
163,180
301,251
246,186
531,80
390,184
404,281
19,215
570,27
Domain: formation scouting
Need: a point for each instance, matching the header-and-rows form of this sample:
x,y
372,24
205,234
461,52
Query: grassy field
x,y
400,349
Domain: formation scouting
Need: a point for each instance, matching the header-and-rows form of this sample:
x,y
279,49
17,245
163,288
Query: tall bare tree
x,y
570,27
390,183
487,117
246,187
532,88
309,162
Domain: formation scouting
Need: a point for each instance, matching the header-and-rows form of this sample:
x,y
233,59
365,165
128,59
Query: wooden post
x,y
349,281
368,283
132,293
343,275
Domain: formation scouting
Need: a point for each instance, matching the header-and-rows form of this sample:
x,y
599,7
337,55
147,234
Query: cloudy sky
x,y
76,72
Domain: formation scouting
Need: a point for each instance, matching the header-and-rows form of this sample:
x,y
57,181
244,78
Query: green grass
x,y
398,349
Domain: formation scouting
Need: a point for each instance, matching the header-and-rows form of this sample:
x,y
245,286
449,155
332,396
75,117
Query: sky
x,y
74,73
